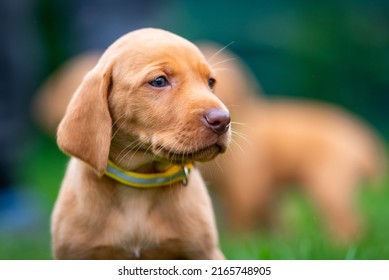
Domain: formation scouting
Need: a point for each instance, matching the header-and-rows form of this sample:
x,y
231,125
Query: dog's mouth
x,y
179,157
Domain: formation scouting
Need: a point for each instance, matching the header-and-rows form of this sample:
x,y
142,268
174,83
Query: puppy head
x,y
151,91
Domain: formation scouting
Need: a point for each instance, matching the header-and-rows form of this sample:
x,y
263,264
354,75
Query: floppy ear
x,y
85,130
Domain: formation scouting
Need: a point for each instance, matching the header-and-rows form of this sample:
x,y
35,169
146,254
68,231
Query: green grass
x,y
305,237
302,235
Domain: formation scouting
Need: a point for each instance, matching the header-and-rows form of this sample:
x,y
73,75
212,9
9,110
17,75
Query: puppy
x,y
324,150
134,127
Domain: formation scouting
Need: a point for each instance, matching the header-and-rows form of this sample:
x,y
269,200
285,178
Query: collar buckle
x,y
185,181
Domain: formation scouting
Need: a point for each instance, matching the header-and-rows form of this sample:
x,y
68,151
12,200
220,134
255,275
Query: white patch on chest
x,y
136,251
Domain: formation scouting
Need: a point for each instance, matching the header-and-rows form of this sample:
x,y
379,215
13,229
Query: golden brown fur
x,y
278,143
117,114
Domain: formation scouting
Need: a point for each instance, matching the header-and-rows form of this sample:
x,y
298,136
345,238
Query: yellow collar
x,y
173,175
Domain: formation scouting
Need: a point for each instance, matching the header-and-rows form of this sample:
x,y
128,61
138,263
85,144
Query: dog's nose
x,y
218,120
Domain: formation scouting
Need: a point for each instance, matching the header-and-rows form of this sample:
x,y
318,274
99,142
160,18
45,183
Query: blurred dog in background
x,y
321,148
55,93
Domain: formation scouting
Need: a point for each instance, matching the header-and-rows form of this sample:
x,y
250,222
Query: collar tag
x,y
186,175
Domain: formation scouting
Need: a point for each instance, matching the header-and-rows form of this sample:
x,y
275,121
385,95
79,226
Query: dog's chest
x,y
143,230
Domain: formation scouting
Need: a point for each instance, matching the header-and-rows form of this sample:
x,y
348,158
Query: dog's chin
x,y
179,157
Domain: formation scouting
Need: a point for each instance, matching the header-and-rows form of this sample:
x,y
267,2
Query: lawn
x,y
302,235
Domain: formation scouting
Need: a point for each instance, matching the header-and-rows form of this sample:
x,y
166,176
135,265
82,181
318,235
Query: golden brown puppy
x,y
146,107
321,148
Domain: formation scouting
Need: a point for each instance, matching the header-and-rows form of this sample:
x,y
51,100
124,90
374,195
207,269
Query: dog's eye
x,y
211,82
159,82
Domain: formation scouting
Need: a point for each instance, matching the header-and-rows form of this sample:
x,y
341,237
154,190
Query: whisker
x,y
242,136
139,145
245,125
122,115
164,147
210,170
221,69
128,146
157,152
147,150
218,165
219,51
117,130
223,61
240,123
238,145
231,149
